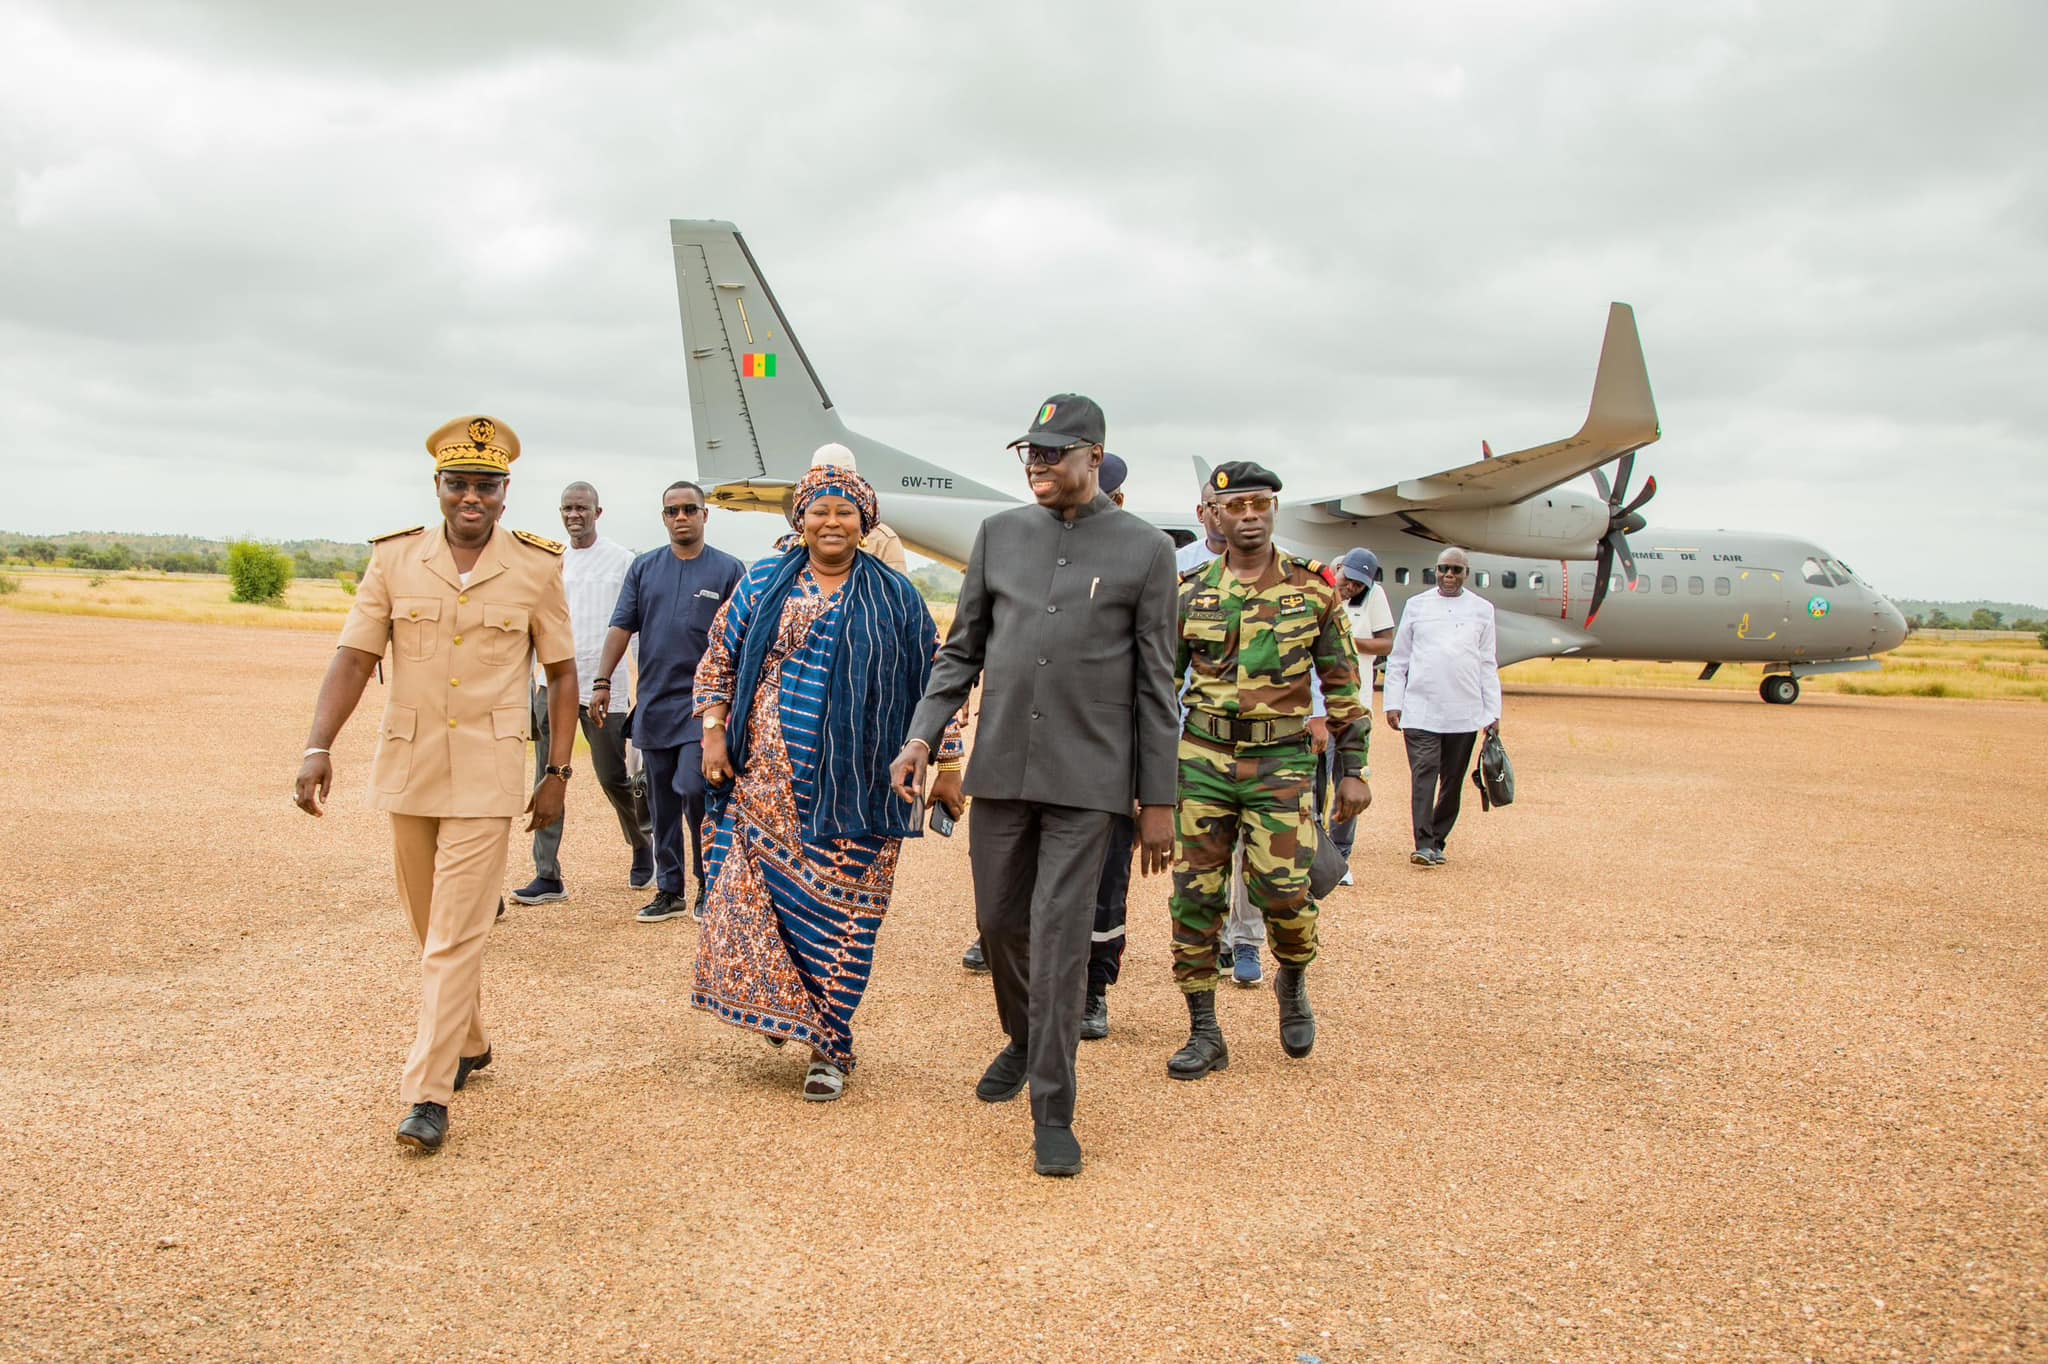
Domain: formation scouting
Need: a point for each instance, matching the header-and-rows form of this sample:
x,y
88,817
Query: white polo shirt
x,y
592,578
1442,675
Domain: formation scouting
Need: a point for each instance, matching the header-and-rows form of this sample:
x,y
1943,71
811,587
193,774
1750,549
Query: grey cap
x,y
1360,565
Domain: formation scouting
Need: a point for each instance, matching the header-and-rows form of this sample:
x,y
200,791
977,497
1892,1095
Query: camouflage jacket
x,y
1248,649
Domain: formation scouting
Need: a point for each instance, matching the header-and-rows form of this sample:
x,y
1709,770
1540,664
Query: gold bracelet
x,y
950,765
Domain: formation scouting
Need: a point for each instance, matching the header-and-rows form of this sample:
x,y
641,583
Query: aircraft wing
x,y
1622,417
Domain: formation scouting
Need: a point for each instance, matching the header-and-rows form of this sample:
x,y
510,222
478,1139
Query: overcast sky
x,y
251,253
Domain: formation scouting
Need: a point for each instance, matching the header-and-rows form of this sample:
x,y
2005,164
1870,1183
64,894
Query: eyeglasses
x,y
1442,569
1044,455
1254,504
460,486
686,509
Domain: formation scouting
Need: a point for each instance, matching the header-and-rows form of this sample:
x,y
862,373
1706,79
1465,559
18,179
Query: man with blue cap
x,y
1372,625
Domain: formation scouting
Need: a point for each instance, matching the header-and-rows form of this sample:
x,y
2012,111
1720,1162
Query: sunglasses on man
x,y
1254,504
1045,456
460,486
1442,569
686,509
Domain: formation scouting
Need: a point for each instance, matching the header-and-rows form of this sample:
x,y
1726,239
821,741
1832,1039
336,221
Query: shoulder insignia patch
x,y
1291,602
540,541
393,535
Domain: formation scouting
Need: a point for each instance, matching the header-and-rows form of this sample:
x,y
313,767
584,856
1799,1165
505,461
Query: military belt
x,y
1231,729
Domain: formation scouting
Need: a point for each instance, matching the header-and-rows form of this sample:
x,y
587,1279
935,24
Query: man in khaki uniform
x,y
464,608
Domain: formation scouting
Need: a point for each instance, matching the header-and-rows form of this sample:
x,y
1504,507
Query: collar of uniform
x,y
1103,503
441,560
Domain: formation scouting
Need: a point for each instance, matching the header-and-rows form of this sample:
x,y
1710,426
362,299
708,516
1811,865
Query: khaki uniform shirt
x,y
1248,650
453,738
886,545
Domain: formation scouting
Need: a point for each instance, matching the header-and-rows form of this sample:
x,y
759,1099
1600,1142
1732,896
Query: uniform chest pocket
x,y
503,634
1207,636
1294,637
415,627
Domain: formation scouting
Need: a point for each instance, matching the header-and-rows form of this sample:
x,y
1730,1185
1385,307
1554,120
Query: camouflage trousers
x,y
1266,797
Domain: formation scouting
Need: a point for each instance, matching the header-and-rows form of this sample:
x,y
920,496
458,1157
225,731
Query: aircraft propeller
x,y
1621,520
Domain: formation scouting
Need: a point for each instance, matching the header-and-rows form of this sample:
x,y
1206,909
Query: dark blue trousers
x,y
675,800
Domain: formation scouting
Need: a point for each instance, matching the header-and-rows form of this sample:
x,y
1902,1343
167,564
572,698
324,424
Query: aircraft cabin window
x,y
1535,582
1669,583
1642,583
1507,579
1814,573
1401,576
1696,586
1722,587
1482,579
1429,577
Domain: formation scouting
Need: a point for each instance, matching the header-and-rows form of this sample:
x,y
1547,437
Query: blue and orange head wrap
x,y
834,480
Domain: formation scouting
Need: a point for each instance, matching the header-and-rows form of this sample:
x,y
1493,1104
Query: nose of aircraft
x,y
1891,625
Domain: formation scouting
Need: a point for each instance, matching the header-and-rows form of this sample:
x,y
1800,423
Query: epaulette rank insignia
x,y
540,541
393,535
1293,601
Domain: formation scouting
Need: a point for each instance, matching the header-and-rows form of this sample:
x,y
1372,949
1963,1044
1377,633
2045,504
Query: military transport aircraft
x,y
1555,563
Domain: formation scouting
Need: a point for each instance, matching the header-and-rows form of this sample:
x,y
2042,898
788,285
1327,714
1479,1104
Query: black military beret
x,y
1243,476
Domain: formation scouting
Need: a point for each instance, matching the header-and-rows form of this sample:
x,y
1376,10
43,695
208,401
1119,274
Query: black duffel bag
x,y
1494,775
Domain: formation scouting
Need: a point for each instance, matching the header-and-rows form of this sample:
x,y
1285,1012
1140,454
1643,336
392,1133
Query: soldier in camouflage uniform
x,y
1255,626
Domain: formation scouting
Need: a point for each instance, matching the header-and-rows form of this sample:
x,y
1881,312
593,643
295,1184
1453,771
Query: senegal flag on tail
x,y
757,366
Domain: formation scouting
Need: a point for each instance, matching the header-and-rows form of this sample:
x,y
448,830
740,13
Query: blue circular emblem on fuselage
x,y
1817,608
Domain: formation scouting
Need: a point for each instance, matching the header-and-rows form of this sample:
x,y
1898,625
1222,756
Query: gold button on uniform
x,y
451,724
454,681
458,639
464,599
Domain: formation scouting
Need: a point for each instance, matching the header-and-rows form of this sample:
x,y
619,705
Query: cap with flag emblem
x,y
1062,420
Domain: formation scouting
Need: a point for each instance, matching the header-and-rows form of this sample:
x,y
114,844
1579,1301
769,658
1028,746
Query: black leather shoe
x,y
501,906
972,958
425,1128
1205,1050
1297,1020
1056,1150
663,907
1095,1019
468,1065
1004,1076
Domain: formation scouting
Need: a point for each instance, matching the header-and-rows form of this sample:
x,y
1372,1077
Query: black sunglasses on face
x,y
1442,569
1046,455
485,487
687,509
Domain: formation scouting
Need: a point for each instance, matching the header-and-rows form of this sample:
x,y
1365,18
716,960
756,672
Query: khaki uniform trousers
x,y
450,874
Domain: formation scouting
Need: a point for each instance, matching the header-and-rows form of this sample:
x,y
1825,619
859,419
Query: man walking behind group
x,y
592,572
1255,627
1067,609
464,608
1443,687
667,601
1372,630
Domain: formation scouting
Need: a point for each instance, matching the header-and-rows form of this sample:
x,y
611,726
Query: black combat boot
x,y
1297,1020
1205,1050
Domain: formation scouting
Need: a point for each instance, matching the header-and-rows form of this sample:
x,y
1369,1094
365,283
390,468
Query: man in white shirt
x,y
592,572
1443,687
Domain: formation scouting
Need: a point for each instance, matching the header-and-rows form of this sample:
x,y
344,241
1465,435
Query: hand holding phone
x,y
942,821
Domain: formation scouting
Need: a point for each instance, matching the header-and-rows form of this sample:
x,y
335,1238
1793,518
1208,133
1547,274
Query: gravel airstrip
x,y
1725,1042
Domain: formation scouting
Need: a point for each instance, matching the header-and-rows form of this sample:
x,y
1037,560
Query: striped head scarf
x,y
834,480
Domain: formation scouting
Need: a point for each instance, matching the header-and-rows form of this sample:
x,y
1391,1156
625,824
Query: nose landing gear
x,y
1779,689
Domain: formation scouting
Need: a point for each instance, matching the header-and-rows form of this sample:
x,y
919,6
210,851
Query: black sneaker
x,y
1225,958
662,907
1004,1077
539,891
973,959
1095,1019
425,1128
642,875
697,907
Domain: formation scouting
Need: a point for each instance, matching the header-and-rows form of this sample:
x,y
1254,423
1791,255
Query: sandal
x,y
823,1082
775,1041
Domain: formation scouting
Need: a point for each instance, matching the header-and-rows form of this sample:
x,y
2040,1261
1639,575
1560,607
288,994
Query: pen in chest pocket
x,y
1092,585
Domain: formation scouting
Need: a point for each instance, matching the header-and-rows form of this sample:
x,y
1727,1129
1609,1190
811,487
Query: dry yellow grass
x,y
1992,668
190,598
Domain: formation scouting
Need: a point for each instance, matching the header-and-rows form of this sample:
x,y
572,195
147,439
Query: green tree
x,y
39,551
1984,618
1937,619
2044,639
257,572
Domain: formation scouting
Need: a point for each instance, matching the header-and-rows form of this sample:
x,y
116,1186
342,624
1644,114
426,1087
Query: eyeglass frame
x,y
684,509
1026,450
1246,504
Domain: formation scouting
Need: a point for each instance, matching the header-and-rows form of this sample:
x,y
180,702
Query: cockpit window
x,y
1838,571
1814,573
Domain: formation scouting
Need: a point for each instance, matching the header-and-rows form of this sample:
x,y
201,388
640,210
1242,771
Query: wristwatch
x,y
563,771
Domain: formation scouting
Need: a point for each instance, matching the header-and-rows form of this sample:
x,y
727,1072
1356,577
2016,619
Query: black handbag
x,y
1330,864
1494,775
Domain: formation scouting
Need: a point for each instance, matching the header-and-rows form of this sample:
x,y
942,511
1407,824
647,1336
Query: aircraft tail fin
x,y
756,405
1623,412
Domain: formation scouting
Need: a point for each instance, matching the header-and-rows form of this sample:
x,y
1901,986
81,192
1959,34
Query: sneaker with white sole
x,y
1244,965
540,891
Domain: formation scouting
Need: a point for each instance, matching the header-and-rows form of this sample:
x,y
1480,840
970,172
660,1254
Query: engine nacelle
x,y
1552,525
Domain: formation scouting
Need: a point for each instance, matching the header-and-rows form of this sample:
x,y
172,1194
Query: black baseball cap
x,y
1064,419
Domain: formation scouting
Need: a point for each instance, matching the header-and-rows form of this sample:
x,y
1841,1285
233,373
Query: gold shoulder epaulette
x,y
393,535
540,541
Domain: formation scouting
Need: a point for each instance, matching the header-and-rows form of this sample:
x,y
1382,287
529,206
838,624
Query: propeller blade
x,y
1603,565
1628,560
1649,491
1622,473
1600,484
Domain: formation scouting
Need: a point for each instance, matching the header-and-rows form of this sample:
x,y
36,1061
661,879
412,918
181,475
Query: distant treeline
x,y
1972,615
111,553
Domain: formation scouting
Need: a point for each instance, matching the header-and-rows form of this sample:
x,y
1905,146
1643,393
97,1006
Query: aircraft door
x,y
1763,623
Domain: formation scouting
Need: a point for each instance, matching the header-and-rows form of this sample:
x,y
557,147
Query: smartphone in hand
x,y
942,821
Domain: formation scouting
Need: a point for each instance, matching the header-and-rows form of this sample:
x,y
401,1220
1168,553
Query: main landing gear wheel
x,y
1780,689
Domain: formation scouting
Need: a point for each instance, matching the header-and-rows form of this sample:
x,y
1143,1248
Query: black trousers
x,y
608,761
1035,869
1112,903
1437,764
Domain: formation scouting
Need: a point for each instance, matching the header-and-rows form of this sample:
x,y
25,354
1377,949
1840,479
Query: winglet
x,y
1203,468
1623,412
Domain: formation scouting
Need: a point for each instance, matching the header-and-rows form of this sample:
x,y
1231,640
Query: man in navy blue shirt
x,y
669,598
